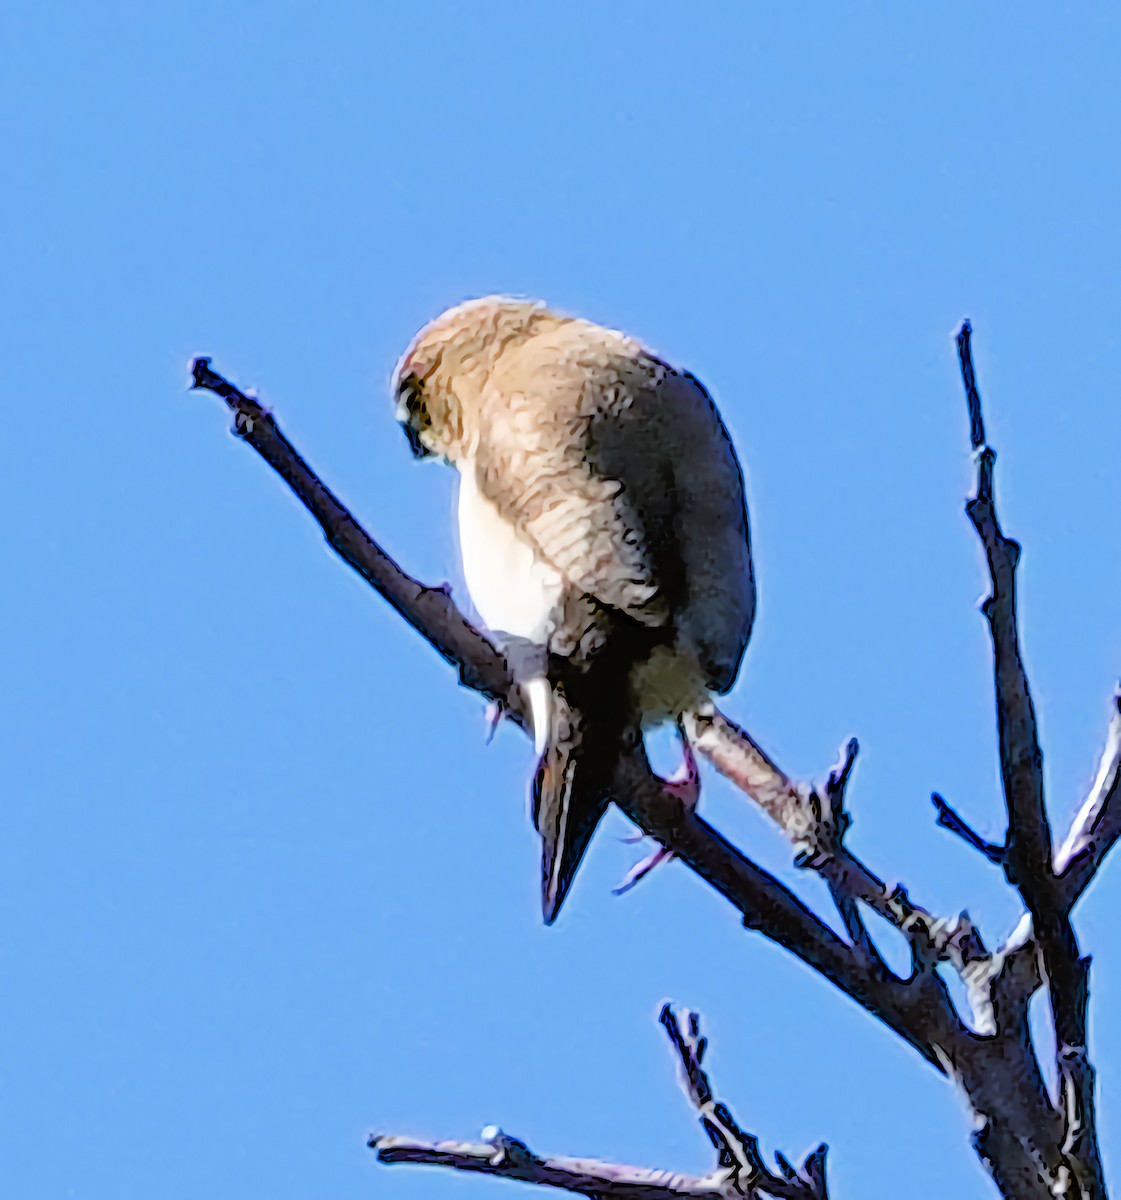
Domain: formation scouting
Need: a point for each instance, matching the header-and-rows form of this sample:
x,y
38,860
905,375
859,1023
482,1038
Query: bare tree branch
x,y
1012,974
918,1010
1033,1147
504,1156
908,1007
740,1159
1098,824
1027,850
949,818
1013,970
741,1170
796,810
432,613
830,808
428,610
1027,856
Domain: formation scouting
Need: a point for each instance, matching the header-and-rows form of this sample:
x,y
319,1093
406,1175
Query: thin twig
x,y
835,822
969,378
739,1156
949,818
740,1172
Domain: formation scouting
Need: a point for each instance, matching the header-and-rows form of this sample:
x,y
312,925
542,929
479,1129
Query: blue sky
x,y
265,888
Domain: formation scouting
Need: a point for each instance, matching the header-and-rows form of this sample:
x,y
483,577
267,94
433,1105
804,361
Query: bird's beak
x,y
419,449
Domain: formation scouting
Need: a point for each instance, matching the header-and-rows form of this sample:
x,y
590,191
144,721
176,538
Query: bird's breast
x,y
515,590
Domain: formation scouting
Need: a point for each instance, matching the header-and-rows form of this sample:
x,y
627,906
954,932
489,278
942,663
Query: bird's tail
x,y
571,790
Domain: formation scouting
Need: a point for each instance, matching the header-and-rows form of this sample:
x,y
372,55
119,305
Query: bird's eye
x,y
410,400
412,412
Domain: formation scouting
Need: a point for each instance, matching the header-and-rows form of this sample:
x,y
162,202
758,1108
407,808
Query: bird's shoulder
x,y
545,406
569,372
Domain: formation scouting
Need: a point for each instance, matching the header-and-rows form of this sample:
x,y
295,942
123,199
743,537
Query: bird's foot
x,y
685,786
493,716
640,870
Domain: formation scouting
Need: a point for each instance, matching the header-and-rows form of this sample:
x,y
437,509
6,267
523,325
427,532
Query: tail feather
x,y
570,796
566,820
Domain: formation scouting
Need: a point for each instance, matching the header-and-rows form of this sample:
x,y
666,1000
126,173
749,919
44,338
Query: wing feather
x,y
620,472
556,409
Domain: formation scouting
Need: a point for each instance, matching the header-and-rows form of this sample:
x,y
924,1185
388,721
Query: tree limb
x,y
1098,824
507,1157
795,808
430,611
1013,970
919,1011
1027,855
996,1065
740,1170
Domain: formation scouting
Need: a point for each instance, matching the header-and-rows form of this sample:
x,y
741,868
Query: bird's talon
x,y
493,716
685,786
640,870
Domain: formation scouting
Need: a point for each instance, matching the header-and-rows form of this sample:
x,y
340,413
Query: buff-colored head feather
x,y
440,379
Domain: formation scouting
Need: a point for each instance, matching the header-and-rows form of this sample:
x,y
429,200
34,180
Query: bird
x,y
603,533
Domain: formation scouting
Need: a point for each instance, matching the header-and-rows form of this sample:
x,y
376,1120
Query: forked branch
x,y
741,1162
740,1170
1027,855
1033,1146
918,1010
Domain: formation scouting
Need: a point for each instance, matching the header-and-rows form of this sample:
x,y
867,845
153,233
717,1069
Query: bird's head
x,y
439,381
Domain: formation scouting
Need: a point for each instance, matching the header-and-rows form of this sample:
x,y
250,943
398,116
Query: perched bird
x,y
604,536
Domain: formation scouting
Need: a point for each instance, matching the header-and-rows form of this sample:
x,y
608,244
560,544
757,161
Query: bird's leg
x,y
493,717
685,785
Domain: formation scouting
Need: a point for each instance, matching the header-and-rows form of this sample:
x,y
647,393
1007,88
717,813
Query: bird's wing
x,y
568,459
621,473
710,531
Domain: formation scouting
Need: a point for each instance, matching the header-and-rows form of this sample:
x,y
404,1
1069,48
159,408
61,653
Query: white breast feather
x,y
515,591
